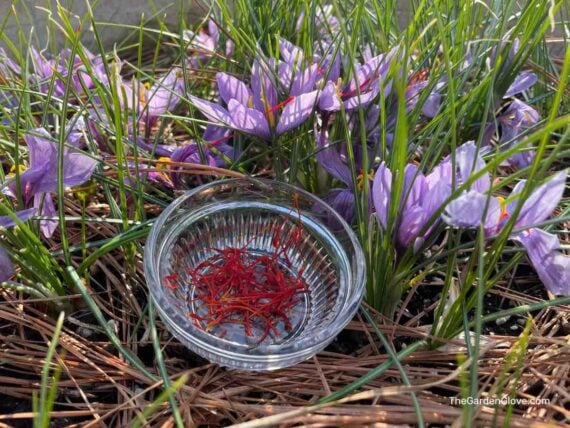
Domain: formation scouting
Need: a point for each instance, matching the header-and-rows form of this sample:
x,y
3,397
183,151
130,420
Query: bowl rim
x,y
268,352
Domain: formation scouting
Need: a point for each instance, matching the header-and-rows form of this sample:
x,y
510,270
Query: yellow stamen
x,y
503,203
20,168
162,167
360,179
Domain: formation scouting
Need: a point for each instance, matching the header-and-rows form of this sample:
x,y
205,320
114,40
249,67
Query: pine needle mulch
x,y
99,388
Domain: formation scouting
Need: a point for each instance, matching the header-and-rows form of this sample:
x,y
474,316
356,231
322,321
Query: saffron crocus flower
x,y
40,180
421,197
332,161
6,266
417,84
509,125
44,70
256,110
474,208
514,119
151,103
361,90
203,44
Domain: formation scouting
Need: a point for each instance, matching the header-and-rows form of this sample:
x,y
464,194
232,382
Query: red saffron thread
x,y
281,104
237,287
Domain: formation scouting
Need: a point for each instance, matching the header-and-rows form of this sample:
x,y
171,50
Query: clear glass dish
x,y
245,213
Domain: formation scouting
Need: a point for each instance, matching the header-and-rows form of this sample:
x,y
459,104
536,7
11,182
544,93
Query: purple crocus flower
x,y
509,125
44,69
40,180
6,266
422,195
254,110
514,119
203,44
332,161
417,84
474,208
160,98
361,90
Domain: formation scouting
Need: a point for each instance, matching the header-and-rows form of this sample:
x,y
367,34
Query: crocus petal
x,y
522,82
6,266
264,91
552,266
165,94
468,210
342,201
415,187
7,221
437,194
213,112
541,202
291,53
329,99
230,87
381,191
296,112
363,99
304,81
468,161
248,120
413,220
330,159
45,202
285,74
432,105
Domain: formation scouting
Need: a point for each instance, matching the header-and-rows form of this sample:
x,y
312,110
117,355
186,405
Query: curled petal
x,y
415,187
296,112
291,53
342,201
432,105
249,120
552,266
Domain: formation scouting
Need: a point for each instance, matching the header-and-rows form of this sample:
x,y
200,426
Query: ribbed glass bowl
x,y
245,213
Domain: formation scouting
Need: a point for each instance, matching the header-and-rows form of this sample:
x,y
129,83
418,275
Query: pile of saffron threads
x,y
254,290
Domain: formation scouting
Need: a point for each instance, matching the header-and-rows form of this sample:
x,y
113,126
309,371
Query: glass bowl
x,y
248,214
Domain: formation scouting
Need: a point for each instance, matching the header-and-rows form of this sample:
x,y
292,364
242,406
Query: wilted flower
x,y
40,180
6,266
476,207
